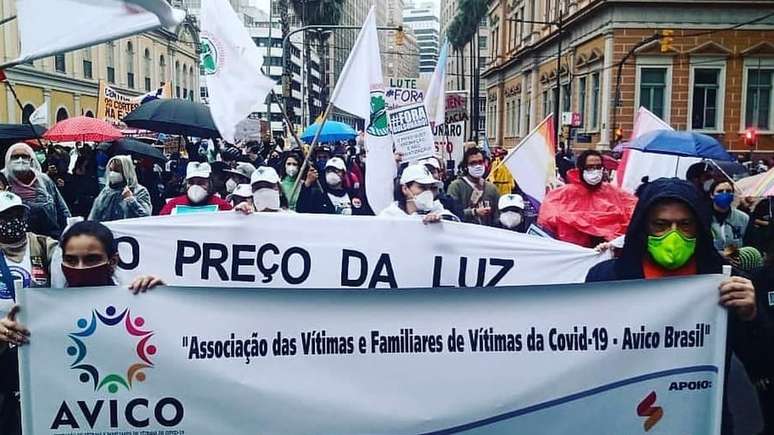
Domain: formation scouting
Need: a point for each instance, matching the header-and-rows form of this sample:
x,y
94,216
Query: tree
x,y
465,27
311,13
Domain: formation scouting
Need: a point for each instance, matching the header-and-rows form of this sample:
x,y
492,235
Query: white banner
x,y
410,128
319,251
603,359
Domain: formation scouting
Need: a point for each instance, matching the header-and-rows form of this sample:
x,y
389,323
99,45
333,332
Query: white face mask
x,y
510,219
424,201
197,194
476,171
230,185
708,185
115,178
291,170
332,179
20,165
593,176
266,199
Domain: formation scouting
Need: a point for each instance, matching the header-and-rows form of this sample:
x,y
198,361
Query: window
x,y
653,83
59,63
61,114
527,118
177,79
706,102
111,62
87,65
758,102
566,97
162,69
27,112
129,64
507,118
191,83
546,103
517,117
594,106
146,66
582,99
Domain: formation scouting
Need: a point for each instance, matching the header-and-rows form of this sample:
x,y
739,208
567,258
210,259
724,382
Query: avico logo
x,y
136,412
653,413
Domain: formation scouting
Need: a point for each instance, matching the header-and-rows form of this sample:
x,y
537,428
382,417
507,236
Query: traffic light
x,y
666,40
400,37
751,137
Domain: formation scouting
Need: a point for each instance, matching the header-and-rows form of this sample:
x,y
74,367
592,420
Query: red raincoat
x,y
580,215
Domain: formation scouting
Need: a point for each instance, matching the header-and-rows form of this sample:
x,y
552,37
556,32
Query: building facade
x,y
70,82
459,76
425,24
269,43
714,76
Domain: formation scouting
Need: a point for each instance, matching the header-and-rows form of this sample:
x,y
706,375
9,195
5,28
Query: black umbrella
x,y
12,133
174,116
136,148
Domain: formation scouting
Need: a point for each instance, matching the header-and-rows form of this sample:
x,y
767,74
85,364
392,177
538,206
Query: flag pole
x,y
312,149
18,103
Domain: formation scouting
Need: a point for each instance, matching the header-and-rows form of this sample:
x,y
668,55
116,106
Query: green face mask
x,y
671,250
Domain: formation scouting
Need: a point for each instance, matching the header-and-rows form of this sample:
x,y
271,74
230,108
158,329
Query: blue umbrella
x,y
333,131
681,144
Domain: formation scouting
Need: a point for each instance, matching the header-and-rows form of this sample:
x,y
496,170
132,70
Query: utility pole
x,y
558,93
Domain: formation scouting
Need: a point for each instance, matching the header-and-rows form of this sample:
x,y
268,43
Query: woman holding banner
x,y
89,259
416,195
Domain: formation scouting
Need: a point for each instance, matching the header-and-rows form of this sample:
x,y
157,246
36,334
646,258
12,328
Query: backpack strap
x,y
7,277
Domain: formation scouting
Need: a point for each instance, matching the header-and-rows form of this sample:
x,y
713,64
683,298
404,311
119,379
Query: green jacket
x,y
461,190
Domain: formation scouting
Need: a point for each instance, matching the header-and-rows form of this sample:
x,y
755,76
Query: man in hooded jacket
x,y
669,235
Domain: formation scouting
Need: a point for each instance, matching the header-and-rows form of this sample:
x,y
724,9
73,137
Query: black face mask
x,y
12,230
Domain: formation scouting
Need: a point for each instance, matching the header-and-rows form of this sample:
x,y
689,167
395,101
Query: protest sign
x,y
450,142
402,92
456,108
259,250
607,359
411,132
112,105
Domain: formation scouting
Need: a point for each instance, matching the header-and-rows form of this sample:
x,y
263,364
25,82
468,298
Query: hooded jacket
x,y
744,338
48,210
629,264
110,205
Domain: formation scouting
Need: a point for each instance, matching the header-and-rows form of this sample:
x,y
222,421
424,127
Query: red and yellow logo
x,y
653,413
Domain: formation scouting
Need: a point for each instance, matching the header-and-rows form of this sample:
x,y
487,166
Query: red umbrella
x,y
82,128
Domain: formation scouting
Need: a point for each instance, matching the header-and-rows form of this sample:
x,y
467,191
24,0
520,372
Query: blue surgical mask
x,y
723,199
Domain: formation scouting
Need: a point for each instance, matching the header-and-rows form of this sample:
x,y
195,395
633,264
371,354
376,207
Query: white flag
x,y
231,64
48,27
40,115
435,97
360,91
532,162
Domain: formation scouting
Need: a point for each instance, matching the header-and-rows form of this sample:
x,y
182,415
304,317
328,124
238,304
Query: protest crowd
x,y
55,198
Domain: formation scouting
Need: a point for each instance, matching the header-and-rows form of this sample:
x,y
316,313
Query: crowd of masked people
x,y
669,227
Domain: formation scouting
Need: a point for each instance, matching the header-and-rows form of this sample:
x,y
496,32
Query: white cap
x,y
242,168
336,162
242,190
10,200
266,174
197,170
511,200
432,161
417,173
